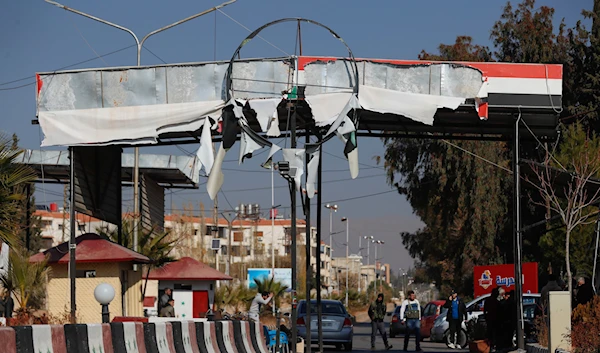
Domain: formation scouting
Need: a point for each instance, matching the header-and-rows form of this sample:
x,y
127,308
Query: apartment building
x,y
253,241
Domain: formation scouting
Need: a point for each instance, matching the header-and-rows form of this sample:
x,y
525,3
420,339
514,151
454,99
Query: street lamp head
x,y
104,293
332,207
368,237
344,219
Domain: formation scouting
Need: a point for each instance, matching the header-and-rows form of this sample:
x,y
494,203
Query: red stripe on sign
x,y
509,70
169,333
139,335
191,327
59,343
107,339
483,111
8,340
213,336
232,336
39,82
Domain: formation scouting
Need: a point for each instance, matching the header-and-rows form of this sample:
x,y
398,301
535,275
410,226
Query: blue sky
x,y
37,37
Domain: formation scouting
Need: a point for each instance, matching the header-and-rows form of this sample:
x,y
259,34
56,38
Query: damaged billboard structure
x,y
255,100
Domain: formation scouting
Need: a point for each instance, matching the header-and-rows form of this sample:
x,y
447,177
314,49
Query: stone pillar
x,y
560,321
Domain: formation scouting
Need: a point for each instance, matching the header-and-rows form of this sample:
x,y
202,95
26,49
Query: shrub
x,y
585,329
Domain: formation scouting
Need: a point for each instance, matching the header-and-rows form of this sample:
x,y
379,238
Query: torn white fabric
x,y
265,109
274,149
237,109
247,146
352,158
326,107
123,124
418,107
347,127
295,156
273,128
206,153
352,104
313,168
216,177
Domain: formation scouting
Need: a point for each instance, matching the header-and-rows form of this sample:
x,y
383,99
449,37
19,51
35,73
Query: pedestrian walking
x,y
377,314
168,310
490,313
507,321
457,313
259,300
410,312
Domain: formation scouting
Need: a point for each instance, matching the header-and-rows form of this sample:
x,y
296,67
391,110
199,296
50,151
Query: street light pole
x,y
345,219
332,208
369,238
136,158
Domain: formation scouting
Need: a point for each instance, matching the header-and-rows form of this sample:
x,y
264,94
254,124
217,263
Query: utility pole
x,y
345,219
136,166
332,208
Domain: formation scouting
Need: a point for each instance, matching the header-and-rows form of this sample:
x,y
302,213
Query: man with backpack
x,y
410,313
377,314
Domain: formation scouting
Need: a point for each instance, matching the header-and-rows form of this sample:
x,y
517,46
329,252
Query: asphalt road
x,y
362,342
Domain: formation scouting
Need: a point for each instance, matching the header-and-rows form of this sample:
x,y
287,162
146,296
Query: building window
x,y
60,227
258,234
85,273
238,236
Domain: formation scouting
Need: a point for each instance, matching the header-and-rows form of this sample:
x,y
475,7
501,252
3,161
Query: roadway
x,y
362,342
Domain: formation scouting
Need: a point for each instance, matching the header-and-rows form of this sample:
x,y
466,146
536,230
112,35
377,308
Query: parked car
x,y
338,329
428,315
397,327
440,331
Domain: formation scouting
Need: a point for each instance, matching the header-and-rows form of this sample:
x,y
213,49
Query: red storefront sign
x,y
489,277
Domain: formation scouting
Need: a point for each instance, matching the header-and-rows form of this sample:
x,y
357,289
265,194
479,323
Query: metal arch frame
x,y
229,71
228,96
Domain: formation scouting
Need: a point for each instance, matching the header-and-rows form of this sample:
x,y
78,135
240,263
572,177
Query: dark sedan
x,y
338,328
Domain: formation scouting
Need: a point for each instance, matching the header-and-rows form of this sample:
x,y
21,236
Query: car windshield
x,y
326,308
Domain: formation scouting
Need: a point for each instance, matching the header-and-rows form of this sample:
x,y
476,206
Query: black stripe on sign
x,y
76,337
24,336
238,337
524,100
150,338
255,339
118,337
178,336
200,337
220,341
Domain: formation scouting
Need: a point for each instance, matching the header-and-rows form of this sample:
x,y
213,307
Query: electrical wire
x,y
62,68
156,56
249,30
86,41
477,156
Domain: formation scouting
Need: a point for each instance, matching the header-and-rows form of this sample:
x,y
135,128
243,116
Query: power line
x,y
62,68
249,30
156,56
86,42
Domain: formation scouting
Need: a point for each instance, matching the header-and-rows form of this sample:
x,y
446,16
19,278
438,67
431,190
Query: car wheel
x,y
392,334
462,338
347,347
338,346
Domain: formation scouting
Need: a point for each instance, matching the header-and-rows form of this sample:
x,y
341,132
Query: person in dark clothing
x,y
507,311
490,313
585,292
168,310
7,305
457,312
377,314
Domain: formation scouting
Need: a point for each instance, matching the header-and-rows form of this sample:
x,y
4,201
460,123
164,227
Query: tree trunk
x,y
568,262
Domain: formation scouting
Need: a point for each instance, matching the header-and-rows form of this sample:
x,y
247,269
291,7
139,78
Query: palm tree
x,y
152,243
26,280
233,296
271,286
12,175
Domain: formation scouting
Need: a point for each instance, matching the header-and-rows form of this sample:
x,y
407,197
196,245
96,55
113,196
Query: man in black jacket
x,y
457,312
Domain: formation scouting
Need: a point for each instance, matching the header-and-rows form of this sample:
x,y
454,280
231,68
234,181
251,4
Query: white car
x,y
440,330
